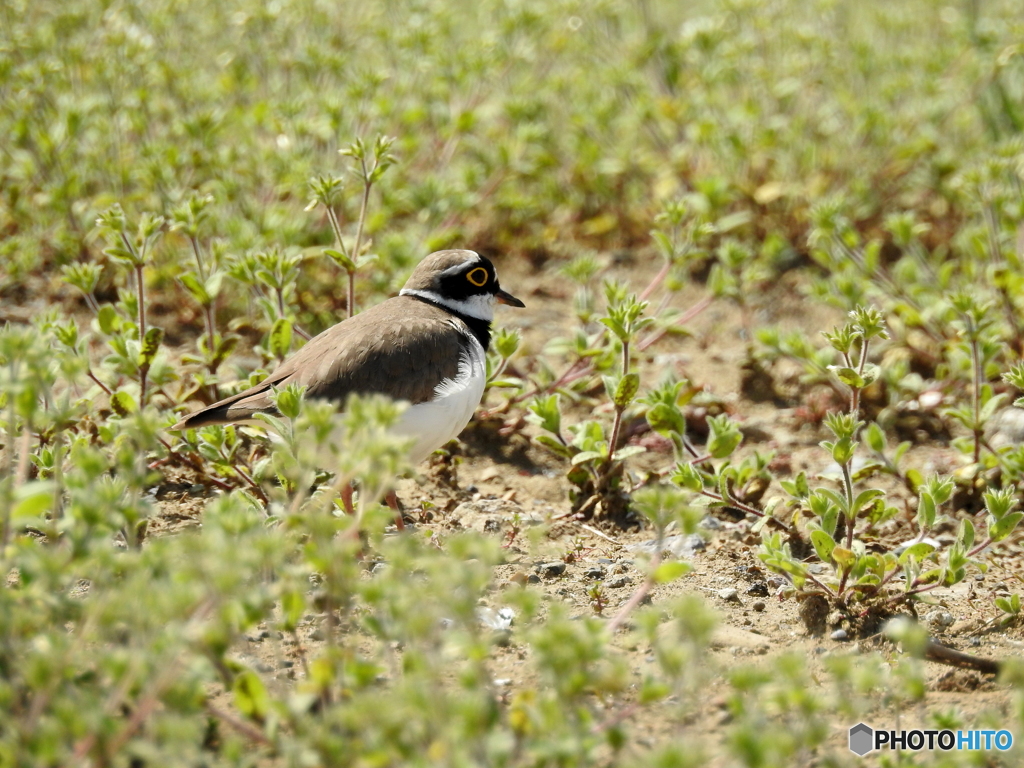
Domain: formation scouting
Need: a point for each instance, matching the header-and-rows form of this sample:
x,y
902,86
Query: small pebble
x,y
758,589
730,595
939,619
552,569
758,605
596,572
840,634
618,582
711,523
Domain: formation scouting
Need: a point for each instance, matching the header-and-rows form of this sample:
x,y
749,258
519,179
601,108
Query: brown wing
x,y
402,348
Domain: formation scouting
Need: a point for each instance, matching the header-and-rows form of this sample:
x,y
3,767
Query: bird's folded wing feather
x,y
402,348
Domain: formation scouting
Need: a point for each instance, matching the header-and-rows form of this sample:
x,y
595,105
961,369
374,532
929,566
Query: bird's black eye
x,y
478,276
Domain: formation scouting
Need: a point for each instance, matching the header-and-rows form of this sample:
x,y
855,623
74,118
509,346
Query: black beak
x,y
504,297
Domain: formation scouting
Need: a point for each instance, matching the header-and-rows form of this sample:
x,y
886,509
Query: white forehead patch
x,y
459,267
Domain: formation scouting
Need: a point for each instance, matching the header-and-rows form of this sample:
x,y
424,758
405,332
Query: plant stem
x,y
848,487
688,315
143,370
643,589
350,297
336,228
199,258
573,373
744,507
367,185
855,393
976,373
658,278
253,484
208,310
8,484
613,441
357,246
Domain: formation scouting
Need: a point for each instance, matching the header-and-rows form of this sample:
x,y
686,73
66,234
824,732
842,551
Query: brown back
x,y
421,346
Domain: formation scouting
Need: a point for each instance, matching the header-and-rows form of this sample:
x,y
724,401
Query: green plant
x,y
596,458
370,166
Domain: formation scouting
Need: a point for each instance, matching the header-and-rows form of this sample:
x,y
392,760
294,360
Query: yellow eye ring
x,y
478,276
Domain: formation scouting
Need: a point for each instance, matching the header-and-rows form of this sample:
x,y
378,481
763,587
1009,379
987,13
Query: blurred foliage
x,y
518,123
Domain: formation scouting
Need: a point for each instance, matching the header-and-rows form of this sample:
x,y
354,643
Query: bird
x,y
426,346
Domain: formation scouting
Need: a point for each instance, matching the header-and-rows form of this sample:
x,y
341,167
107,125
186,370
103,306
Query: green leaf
x,y
799,487
870,374
687,476
626,390
954,576
875,437
901,449
664,243
214,283
553,445
915,478
666,420
848,376
925,511
546,413
341,259
1003,527
293,607
150,346
122,403
842,450
585,456
670,571
843,557
916,552
629,450
990,407
965,536
289,400
823,545
195,288
865,498
281,338
108,319
225,348
251,696
32,499
724,436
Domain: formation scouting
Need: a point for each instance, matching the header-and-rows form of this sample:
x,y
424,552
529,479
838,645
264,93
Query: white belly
x,y
434,423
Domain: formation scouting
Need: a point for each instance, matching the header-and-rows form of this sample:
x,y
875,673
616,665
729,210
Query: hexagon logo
x,y
862,738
